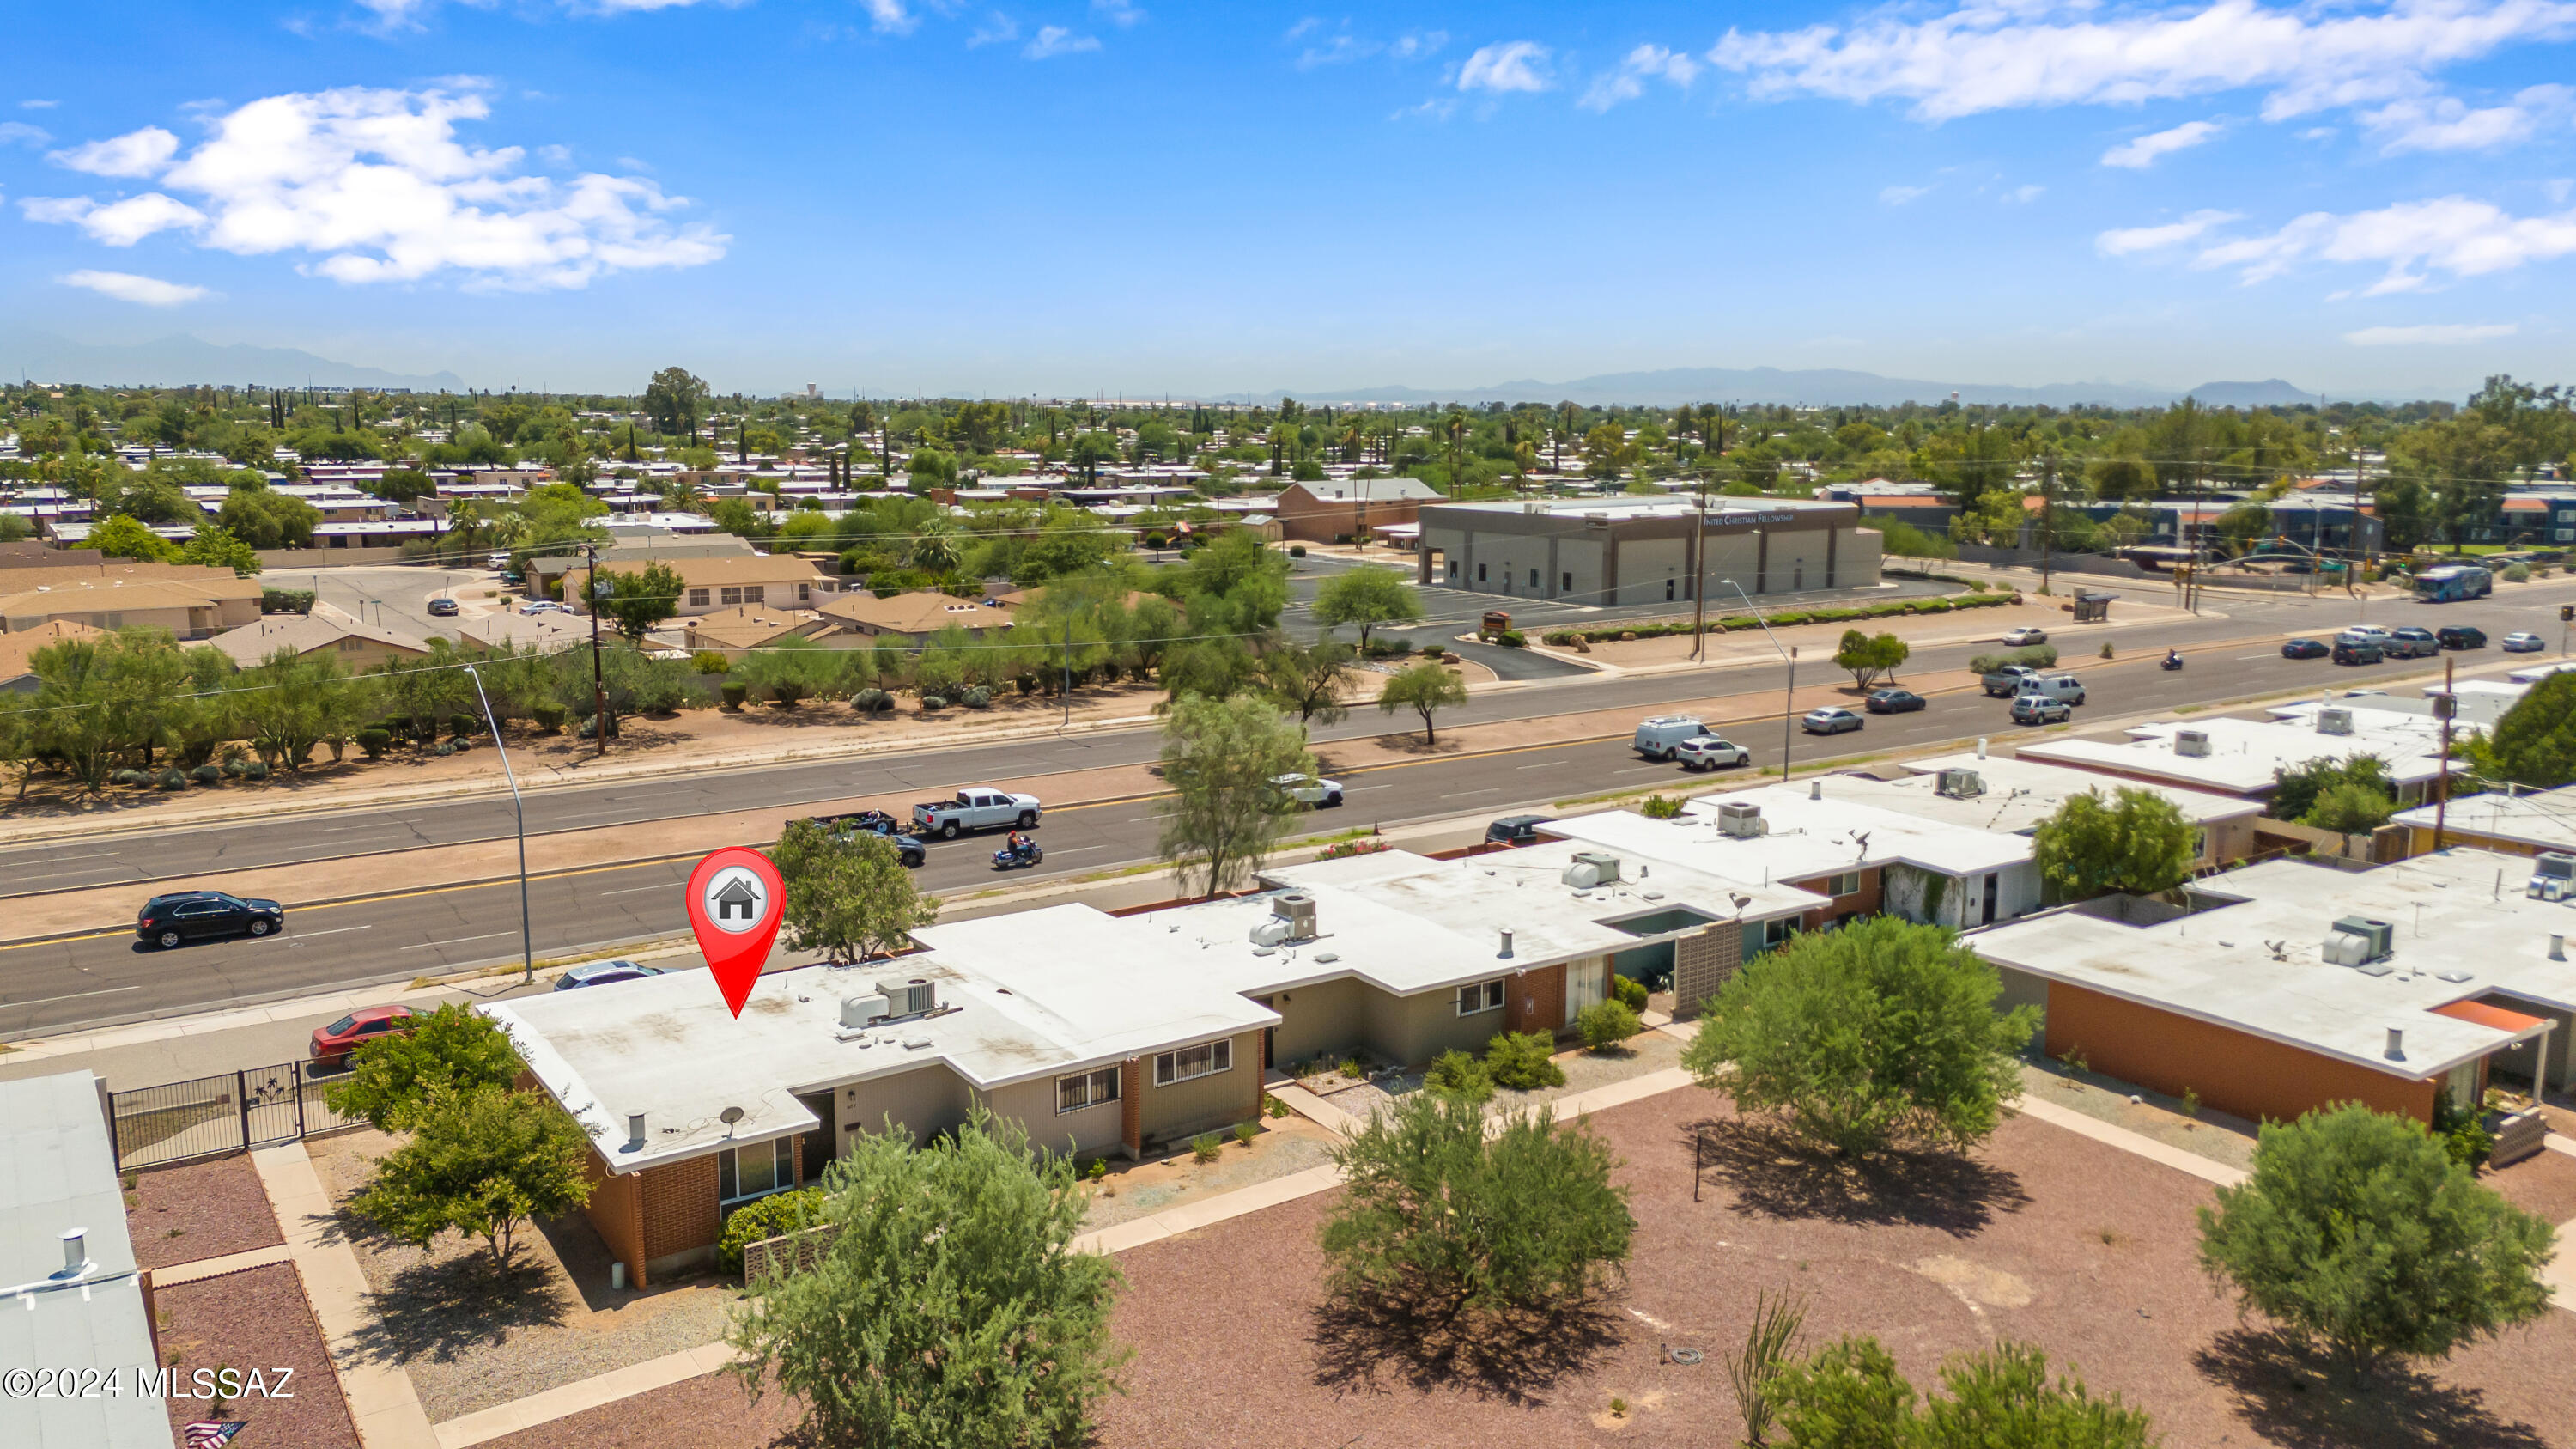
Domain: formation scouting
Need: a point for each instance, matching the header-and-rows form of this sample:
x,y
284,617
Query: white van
x,y
1659,737
2064,687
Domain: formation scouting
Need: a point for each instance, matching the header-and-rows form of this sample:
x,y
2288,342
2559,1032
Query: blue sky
x,y
1123,196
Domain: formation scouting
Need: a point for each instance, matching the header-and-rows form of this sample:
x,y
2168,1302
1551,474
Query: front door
x,y
1990,900
1584,985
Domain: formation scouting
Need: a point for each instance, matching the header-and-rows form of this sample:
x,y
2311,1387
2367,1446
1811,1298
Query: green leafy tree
x,y
1425,688
640,600
292,702
1880,1034
1369,597
1088,452
1223,816
793,670
1849,1395
482,1163
263,518
2534,744
675,399
2296,787
214,547
120,536
848,896
454,1049
951,1308
1310,679
1604,1024
2135,841
1869,657
2348,809
1449,1217
2359,1232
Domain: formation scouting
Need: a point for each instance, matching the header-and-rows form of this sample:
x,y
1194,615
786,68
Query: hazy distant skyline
x,y
891,196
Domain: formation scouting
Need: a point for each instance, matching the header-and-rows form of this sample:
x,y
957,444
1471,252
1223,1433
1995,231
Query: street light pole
x,y
598,681
1699,571
1789,695
527,939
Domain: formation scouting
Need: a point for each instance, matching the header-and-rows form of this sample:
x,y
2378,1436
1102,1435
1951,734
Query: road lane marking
x,y
638,890
459,940
334,931
1463,794
74,996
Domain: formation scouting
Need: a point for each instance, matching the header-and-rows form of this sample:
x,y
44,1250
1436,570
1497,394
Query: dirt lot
x,y
2046,1237
2075,642
256,1320
203,1210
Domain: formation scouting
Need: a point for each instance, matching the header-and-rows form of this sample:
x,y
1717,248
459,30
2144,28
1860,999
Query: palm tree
x,y
938,545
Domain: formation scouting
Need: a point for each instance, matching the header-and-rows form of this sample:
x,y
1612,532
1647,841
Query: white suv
x,y
1708,752
1309,789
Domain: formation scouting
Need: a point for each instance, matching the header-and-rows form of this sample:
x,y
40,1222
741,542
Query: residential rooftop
x,y
2244,756
2543,820
1813,829
2013,795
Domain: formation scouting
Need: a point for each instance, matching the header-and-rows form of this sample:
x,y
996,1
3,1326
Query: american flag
x,y
208,1434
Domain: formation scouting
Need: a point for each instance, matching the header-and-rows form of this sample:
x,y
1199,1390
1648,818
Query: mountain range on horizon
x,y
180,360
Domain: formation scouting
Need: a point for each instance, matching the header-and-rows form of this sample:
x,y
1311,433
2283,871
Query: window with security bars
x,y
1206,1059
1086,1089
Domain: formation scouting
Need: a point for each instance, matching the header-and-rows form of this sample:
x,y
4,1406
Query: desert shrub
x,y
2517,572
734,693
1605,1024
255,770
773,1216
1630,990
932,704
871,701
709,661
129,777
2033,656
1662,807
1456,1074
549,716
207,774
1207,1146
976,697
170,780
374,742
1521,1061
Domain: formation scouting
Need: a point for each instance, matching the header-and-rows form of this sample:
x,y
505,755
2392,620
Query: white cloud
x,y
375,186
1899,195
1436,109
13,133
2444,123
1342,47
2149,238
996,30
1416,44
392,15
1511,65
1121,13
136,153
1991,55
887,17
127,287
2023,195
1645,63
2433,334
2412,239
1055,40
2141,153
38,105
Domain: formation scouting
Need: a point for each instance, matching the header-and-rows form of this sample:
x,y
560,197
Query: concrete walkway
x,y
671,1368
217,1267
2131,1142
380,1397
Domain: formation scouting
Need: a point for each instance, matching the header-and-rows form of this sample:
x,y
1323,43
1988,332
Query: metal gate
x,y
219,1115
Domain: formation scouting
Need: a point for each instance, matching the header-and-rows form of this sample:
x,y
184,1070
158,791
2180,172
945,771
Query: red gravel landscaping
x,y
710,1411
203,1210
256,1320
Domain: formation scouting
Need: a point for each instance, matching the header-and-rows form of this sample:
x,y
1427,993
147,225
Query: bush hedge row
x,y
1885,608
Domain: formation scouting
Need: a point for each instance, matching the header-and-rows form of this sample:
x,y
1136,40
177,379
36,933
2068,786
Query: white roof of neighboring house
x,y
2461,912
1807,837
2542,820
2018,794
2245,754
1371,490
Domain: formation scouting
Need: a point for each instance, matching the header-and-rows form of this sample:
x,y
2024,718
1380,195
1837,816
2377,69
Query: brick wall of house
x,y
679,1207
1867,901
2253,1077
617,1213
1536,1001
1702,964
1131,1107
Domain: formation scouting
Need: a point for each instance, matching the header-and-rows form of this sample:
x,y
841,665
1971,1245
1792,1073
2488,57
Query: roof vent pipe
x,y
2557,946
1507,944
1981,747
1815,789
2396,1044
75,1250
634,1131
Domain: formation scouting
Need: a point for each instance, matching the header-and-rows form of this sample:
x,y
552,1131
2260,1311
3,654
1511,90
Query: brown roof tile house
x,y
354,642
724,582
189,601
748,626
18,652
912,616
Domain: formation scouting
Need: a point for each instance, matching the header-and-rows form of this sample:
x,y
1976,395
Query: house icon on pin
x,y
738,899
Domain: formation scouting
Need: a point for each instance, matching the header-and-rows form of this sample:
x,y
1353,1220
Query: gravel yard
x,y
710,1411
256,1320
1647,1051
1286,1145
203,1210
470,1339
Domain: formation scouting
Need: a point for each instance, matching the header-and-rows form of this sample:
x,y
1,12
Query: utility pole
x,y
2047,514
598,677
1699,570
2445,708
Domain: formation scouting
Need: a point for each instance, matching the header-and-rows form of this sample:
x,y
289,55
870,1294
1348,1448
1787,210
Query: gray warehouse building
x,y
1639,550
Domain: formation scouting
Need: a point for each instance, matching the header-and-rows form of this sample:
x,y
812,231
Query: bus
x,y
2452,583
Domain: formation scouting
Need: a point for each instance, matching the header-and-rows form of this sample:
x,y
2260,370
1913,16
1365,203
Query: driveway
x,y
395,597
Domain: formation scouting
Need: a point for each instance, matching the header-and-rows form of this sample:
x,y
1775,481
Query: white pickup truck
x,y
977,807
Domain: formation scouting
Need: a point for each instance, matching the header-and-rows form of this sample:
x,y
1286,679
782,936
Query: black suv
x,y
908,848
1516,829
195,915
2461,636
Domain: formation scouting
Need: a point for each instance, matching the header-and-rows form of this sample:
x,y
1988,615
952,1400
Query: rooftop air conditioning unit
x,y
858,1011
1270,931
1742,819
1591,868
1959,784
909,995
2334,721
2194,743
2342,948
2554,865
1297,909
2380,936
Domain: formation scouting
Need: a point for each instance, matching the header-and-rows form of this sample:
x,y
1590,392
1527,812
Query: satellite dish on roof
x,y
729,1116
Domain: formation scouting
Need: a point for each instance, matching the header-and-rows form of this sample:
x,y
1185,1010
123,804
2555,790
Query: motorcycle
x,y
2172,661
1011,857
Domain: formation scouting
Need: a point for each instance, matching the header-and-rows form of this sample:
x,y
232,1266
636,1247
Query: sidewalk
x,y
380,1397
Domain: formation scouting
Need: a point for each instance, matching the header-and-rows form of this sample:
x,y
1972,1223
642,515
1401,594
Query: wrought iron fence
x,y
219,1115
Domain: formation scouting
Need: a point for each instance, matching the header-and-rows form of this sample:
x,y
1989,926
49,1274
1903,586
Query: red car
x,y
332,1044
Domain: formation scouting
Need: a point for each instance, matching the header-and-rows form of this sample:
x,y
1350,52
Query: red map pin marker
x,y
736,901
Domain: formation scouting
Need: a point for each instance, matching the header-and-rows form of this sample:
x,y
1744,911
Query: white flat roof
x,y
2543,820
2244,754
1808,837
2256,962
2018,793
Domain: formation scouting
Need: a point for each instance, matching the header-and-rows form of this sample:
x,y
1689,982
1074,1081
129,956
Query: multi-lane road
x,y
404,933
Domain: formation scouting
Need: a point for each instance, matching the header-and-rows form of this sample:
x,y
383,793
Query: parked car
x,y
979,807
2004,683
2461,636
2064,687
2364,634
442,607
2410,642
1516,829
909,848
195,915
1833,719
332,1044
1893,701
2348,651
2026,634
1312,790
1660,737
496,561
603,973
544,606
1708,752
2305,649
2032,709
2523,642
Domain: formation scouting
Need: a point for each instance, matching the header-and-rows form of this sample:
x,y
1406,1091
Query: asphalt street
x,y
394,596
94,979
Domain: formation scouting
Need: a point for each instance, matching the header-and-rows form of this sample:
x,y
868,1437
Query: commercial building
x,y
1340,510
2288,986
1630,550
